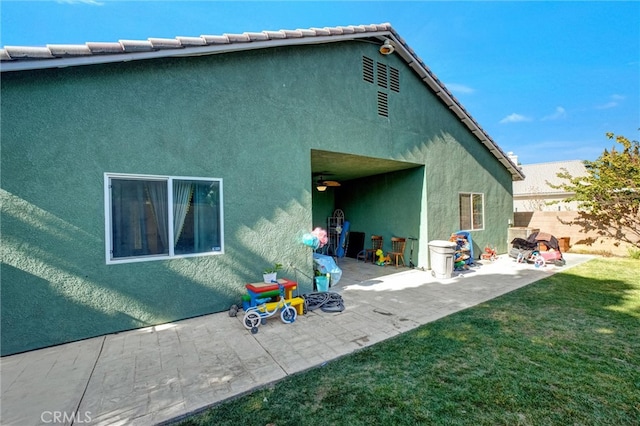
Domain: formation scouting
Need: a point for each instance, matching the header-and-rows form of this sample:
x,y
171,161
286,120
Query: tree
x,y
536,203
609,195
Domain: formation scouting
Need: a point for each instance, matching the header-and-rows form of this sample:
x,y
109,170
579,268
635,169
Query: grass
x,y
562,351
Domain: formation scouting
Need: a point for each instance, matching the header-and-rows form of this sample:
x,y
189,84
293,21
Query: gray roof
x,y
539,174
20,58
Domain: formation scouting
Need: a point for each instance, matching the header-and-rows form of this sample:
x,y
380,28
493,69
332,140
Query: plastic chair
x,y
376,244
397,249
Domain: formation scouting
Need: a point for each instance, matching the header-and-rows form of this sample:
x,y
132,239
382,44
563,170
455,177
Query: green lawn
x,y
562,351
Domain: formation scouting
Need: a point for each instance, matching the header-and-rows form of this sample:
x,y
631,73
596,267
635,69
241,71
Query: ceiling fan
x,y
321,184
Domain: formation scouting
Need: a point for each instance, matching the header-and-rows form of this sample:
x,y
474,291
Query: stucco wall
x,y
249,118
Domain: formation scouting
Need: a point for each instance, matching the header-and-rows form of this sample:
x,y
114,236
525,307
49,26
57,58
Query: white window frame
x,y
471,195
169,179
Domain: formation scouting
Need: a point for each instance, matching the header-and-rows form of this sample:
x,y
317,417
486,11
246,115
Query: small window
x,y
154,217
471,211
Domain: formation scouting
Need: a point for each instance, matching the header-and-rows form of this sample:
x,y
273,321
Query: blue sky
x,y
546,79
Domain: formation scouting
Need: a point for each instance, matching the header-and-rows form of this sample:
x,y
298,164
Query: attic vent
x,y
385,77
382,75
367,69
383,104
394,79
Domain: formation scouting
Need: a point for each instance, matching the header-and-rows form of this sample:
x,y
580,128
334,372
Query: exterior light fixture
x,y
387,48
322,185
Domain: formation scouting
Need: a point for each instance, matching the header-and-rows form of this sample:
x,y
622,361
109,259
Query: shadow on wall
x,y
36,314
56,287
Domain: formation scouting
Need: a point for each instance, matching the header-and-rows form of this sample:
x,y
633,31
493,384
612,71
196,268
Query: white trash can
x,y
442,258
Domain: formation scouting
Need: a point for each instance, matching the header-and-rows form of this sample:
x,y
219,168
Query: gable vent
x,y
367,69
383,104
382,75
394,79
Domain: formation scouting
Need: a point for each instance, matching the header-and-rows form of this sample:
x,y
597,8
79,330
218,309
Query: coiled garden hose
x,y
325,301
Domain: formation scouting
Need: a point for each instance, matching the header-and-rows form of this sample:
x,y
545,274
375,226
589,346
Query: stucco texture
x,y
250,118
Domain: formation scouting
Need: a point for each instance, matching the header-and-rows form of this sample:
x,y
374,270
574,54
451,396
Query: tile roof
x,y
20,58
540,173
162,46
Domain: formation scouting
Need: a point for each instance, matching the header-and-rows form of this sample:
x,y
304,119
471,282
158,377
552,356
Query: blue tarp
x,y
325,264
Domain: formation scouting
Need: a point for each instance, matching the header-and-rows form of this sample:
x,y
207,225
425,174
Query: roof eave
x,y
126,51
452,103
212,49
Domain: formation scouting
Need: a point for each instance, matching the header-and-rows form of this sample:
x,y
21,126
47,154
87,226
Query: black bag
x,y
522,244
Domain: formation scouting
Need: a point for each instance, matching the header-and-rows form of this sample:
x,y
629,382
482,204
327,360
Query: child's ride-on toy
x,y
257,315
489,254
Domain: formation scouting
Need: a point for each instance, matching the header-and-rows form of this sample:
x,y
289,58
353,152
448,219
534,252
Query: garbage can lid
x,y
442,243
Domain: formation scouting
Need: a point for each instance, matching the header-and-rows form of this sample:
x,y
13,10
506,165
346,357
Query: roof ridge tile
x,y
261,36
191,41
216,39
274,35
321,31
306,32
347,30
99,47
136,45
67,50
165,43
238,38
16,52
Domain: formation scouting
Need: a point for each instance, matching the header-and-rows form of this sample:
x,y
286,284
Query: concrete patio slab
x,y
156,374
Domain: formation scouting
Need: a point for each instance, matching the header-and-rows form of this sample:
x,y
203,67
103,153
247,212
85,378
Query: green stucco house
x,y
145,182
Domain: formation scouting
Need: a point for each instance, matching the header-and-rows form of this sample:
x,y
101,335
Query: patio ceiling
x,y
344,167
